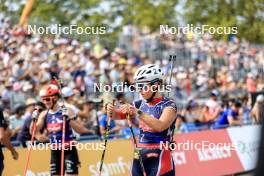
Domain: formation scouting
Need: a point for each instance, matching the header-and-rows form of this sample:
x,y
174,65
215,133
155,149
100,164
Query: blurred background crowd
x,y
215,83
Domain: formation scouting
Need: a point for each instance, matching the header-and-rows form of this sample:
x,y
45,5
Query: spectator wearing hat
x,y
30,103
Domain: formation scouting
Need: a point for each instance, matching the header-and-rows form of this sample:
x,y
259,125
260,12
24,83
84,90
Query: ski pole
x,y
34,116
105,140
136,152
172,59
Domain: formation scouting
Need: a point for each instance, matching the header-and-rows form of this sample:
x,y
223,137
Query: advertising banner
x,y
117,159
204,153
247,139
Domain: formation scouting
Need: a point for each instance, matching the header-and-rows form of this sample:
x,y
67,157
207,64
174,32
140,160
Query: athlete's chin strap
x,y
153,94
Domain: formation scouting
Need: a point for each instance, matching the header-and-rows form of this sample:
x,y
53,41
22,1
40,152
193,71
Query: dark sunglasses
x,y
46,99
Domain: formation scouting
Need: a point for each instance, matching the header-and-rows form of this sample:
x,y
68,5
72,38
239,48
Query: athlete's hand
x,y
64,111
35,115
128,109
109,109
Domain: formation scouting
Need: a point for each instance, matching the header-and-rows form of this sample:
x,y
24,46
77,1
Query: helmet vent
x,y
143,72
141,78
151,66
148,72
139,72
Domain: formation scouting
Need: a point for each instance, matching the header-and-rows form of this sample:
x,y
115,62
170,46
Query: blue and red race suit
x,y
156,161
54,125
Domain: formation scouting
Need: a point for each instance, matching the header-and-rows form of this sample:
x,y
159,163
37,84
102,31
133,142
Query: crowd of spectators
x,y
214,82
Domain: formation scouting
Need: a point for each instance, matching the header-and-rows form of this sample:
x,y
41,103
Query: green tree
x,y
65,12
143,13
246,15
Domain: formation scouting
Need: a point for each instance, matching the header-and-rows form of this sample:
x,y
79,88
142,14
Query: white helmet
x,y
148,73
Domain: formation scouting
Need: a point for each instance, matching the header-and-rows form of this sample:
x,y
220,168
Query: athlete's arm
x,y
5,140
166,119
164,122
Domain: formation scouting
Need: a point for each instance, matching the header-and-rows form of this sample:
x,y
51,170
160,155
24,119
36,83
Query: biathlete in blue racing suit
x,y
157,115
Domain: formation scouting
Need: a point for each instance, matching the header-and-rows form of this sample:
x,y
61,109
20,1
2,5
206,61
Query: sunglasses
x,y
46,99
